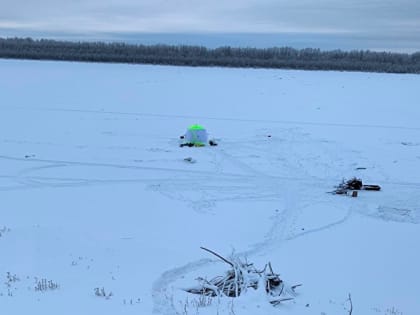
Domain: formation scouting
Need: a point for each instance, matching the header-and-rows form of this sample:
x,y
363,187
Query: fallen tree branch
x,y
241,277
351,304
217,255
277,302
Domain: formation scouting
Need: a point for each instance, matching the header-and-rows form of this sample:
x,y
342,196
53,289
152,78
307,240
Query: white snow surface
x,y
95,191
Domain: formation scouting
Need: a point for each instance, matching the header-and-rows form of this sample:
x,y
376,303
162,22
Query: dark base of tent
x,y
211,143
191,145
186,145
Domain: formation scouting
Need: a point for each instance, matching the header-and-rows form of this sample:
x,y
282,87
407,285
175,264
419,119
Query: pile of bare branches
x,y
242,276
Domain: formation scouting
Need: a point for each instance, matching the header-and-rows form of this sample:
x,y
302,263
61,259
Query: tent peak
x,y
196,127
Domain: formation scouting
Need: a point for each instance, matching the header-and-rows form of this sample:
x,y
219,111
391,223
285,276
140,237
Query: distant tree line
x,y
276,57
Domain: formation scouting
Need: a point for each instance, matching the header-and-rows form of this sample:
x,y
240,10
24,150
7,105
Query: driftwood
x,y
241,277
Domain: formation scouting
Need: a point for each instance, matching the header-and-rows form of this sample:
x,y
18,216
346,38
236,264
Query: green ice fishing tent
x,y
196,135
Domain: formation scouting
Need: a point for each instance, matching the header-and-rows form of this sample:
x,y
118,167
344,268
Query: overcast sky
x,y
373,18
325,16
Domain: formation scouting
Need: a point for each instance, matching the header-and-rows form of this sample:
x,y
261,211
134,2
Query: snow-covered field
x,y
95,191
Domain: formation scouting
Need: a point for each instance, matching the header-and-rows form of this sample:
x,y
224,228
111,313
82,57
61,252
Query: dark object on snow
x,y
189,160
186,145
340,191
212,143
354,193
371,187
181,137
353,184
